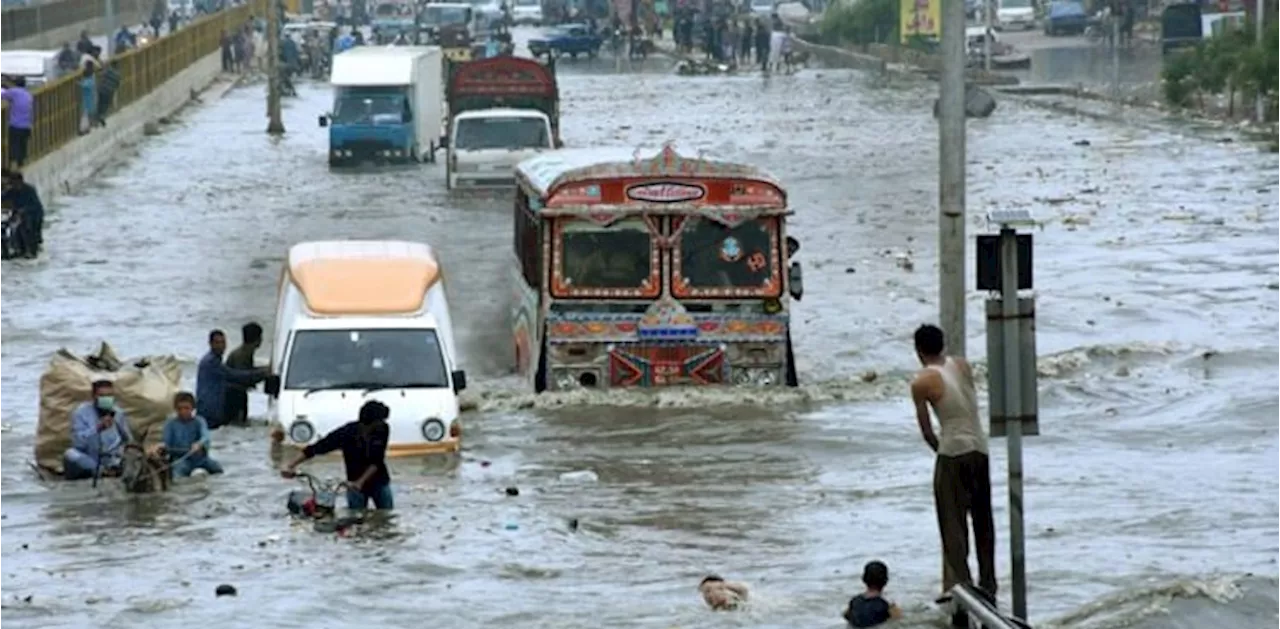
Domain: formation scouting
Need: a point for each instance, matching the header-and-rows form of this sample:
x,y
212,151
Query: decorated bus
x,y
645,269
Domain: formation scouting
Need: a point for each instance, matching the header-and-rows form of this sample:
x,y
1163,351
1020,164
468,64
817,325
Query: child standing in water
x,y
870,608
722,595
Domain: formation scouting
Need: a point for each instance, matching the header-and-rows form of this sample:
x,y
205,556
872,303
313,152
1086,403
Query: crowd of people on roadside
x,y
731,37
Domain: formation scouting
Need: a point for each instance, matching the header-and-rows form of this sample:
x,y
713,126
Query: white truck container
x,y
365,320
388,104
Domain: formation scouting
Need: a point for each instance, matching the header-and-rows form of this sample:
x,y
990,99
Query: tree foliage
x,y
1233,62
860,22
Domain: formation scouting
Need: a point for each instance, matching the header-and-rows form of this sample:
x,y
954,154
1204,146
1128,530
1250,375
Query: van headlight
x,y
301,431
433,430
565,379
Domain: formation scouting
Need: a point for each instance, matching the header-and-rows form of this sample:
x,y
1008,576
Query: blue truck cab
x,y
387,105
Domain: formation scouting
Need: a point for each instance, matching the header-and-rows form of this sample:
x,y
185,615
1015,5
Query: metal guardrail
x,y
966,598
58,104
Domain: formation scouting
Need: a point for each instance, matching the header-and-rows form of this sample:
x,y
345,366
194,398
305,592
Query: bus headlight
x,y
565,379
301,431
433,430
764,377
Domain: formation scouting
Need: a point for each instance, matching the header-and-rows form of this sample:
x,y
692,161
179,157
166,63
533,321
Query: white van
x,y
1015,14
36,66
488,143
365,320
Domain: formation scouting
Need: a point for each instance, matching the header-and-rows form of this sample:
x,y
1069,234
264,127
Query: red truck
x,y
502,110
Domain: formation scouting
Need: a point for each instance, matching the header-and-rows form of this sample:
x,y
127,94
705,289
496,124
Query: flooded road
x,y
1155,270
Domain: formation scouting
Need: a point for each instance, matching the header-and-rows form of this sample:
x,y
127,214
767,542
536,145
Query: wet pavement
x,y
1156,274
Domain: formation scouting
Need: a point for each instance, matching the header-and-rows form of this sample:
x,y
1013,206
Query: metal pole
x,y
1013,410
276,124
1259,102
1115,52
979,608
951,184
988,17
110,18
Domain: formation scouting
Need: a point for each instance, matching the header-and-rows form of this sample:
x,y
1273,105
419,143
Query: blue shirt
x,y
86,438
867,611
212,377
180,435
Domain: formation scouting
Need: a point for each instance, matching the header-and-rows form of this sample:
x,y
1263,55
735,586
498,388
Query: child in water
x,y
722,595
870,609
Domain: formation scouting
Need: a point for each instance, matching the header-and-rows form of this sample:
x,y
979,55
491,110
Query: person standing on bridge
x,y
21,115
961,473
88,98
108,83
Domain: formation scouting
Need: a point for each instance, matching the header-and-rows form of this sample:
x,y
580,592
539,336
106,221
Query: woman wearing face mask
x,y
99,432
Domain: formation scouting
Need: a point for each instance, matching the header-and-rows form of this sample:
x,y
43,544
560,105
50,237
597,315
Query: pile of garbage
x,y
144,390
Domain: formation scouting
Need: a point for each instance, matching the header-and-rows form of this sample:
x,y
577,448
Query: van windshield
x,y
476,134
364,359
1015,4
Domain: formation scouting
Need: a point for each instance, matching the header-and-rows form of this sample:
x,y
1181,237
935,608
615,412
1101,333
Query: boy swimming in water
x,y
870,609
722,595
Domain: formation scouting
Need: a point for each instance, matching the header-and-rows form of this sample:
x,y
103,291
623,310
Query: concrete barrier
x,y
840,57
54,38
47,26
75,162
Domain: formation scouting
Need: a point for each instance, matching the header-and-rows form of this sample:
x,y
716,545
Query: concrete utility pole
x,y
109,16
1115,49
988,18
951,183
1259,21
276,124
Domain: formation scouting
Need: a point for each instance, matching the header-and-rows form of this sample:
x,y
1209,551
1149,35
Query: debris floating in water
x,y
225,590
513,491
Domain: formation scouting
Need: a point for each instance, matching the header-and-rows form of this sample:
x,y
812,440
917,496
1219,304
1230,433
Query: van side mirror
x,y
459,381
793,246
795,279
324,121
444,141
271,385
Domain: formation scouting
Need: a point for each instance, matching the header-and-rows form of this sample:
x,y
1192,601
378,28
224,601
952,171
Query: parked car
x,y
527,12
1015,14
569,39
1065,17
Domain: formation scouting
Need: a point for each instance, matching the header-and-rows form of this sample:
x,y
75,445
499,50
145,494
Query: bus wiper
x,y
339,386
403,385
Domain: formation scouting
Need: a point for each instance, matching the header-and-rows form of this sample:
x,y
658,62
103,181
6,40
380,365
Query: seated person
x,y
99,433
722,595
870,609
186,439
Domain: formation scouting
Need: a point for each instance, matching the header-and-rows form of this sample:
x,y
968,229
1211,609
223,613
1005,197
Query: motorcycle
x,y
10,247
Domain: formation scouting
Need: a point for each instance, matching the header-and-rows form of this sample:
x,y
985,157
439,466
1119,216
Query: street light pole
x,y
988,17
1259,20
275,126
109,16
951,183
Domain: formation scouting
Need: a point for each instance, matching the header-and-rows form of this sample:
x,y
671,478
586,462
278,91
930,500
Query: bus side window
x,y
528,241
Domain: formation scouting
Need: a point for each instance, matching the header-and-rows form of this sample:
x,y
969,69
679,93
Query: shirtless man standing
x,y
961,473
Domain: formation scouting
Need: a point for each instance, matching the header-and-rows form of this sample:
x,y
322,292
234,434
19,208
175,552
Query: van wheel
x,y
791,378
540,377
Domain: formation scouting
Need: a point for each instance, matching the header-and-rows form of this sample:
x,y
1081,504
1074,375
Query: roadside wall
x,y
48,26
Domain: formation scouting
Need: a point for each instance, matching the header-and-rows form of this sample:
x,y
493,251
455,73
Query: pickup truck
x,y
568,39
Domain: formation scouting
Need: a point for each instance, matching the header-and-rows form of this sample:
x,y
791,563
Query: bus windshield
x,y
715,256
614,257
363,359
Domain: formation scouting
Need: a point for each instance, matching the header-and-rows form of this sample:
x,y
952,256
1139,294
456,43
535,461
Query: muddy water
x,y
1156,271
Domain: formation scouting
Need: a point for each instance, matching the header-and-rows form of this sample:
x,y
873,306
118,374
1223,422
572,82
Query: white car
x,y
527,12
1016,14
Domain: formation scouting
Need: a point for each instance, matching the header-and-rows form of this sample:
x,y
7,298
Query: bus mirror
x,y
444,141
795,279
793,246
271,386
459,381
323,121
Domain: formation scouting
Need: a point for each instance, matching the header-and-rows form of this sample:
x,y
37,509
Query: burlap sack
x,y
144,390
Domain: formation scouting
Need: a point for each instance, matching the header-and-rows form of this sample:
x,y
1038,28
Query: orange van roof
x,y
363,277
